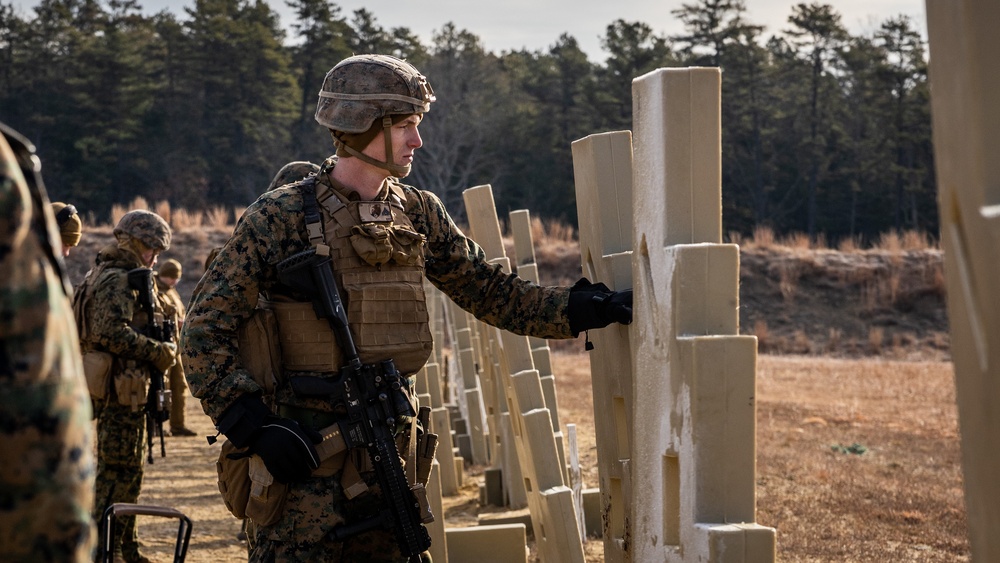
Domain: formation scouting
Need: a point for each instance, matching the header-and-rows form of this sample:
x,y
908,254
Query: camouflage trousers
x,y
120,449
312,509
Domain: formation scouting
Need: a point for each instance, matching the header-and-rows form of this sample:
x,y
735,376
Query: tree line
x,y
824,132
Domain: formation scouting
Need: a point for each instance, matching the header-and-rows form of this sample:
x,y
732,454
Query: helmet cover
x,y
365,88
146,227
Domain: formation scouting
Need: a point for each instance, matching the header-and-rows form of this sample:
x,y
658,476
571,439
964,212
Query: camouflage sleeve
x,y
458,267
271,229
109,315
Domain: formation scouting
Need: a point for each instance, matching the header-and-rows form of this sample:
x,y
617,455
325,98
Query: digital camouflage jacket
x,y
110,307
273,228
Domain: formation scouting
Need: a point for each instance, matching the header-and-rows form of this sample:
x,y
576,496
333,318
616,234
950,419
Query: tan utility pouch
x,y
131,386
234,479
260,350
267,496
97,370
332,452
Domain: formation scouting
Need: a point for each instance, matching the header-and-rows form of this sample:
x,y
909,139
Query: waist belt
x,y
312,418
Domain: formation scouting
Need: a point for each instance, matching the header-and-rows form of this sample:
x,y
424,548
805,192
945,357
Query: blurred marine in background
x,y
167,278
121,359
46,437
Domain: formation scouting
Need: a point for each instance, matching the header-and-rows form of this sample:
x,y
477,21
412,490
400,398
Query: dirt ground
x,y
857,461
857,450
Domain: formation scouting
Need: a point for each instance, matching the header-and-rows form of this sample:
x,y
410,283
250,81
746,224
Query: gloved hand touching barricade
x,y
594,305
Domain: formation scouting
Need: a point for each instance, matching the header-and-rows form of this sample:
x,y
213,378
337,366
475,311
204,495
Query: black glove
x,y
593,305
285,447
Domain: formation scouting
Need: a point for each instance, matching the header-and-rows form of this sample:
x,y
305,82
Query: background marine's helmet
x,y
146,227
363,89
69,223
292,172
171,269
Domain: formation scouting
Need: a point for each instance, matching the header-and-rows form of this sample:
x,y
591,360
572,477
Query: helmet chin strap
x,y
397,170
132,245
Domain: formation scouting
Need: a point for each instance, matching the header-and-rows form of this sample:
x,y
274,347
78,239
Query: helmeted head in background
x,y
292,172
70,225
141,231
170,271
366,94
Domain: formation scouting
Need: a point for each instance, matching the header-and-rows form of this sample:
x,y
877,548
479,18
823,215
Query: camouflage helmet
x,y
365,88
146,227
170,269
292,172
69,223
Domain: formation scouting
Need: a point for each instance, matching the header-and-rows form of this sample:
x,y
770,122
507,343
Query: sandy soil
x,y
858,461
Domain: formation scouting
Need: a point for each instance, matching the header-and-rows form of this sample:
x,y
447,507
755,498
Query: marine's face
x,y
405,141
148,256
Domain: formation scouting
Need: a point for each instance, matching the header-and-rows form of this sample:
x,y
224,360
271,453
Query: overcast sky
x,y
537,24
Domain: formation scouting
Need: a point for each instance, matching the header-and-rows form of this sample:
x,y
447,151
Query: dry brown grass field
x,y
857,443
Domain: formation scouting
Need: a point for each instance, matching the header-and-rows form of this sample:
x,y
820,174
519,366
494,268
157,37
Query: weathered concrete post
x,y
550,501
485,230
470,396
602,168
688,412
694,376
965,80
429,384
527,268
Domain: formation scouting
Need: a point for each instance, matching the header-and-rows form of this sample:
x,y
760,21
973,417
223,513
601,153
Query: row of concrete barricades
x,y
673,393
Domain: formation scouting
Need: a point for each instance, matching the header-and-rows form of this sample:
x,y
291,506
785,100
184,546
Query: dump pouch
x,y
234,479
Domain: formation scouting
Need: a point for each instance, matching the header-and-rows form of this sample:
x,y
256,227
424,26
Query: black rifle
x,y
158,399
374,401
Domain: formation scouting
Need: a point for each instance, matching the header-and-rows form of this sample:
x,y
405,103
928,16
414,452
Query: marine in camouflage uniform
x,y
371,103
167,277
47,473
111,321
